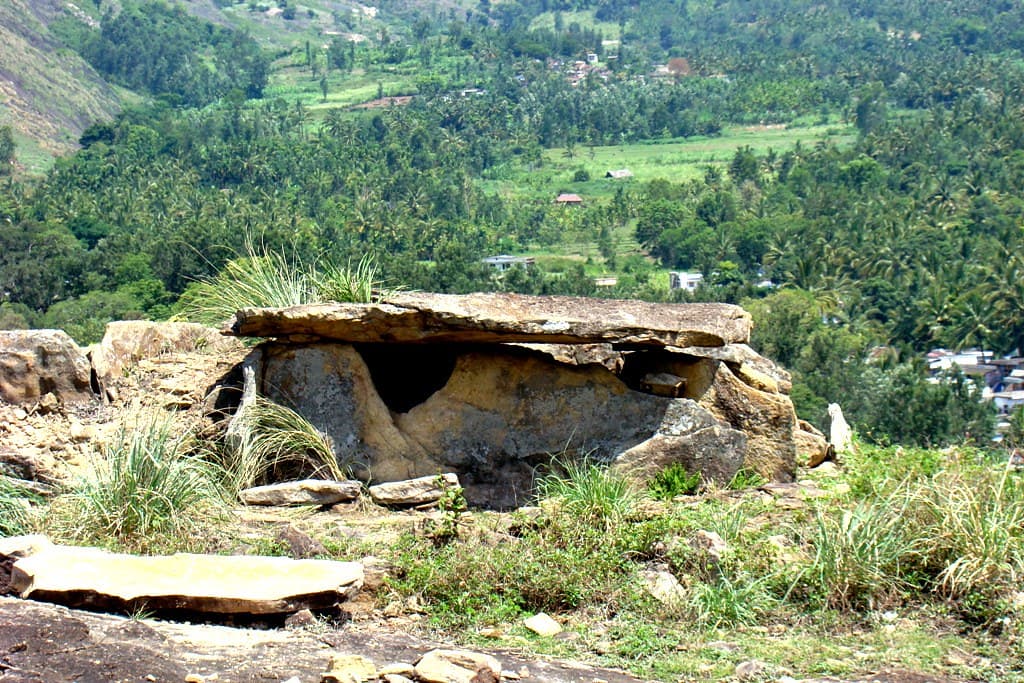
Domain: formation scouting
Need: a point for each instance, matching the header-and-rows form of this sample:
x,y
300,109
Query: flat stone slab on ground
x,y
477,318
235,584
419,491
304,492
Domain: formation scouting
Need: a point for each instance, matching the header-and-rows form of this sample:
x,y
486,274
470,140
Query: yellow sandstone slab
x,y
90,577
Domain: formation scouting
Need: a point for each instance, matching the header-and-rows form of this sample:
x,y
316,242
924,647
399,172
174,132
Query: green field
x,y
686,159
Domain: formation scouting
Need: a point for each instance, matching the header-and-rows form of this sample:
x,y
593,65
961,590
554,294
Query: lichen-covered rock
x,y
304,492
37,363
419,491
127,342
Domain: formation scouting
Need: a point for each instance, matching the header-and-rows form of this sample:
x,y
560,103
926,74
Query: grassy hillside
x,y
49,95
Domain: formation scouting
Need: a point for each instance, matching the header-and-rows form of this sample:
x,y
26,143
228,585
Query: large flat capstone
x,y
488,318
229,585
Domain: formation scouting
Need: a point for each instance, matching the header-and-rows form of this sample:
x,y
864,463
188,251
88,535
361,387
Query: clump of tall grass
x,y
268,442
268,279
348,284
149,489
589,491
864,553
975,530
16,503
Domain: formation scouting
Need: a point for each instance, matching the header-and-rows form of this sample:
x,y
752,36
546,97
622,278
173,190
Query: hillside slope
x,y
48,94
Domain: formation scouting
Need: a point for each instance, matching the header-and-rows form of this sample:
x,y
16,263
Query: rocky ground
x,y
41,642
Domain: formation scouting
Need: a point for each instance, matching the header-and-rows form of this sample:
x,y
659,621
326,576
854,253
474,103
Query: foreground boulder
x,y
35,364
419,317
457,666
210,584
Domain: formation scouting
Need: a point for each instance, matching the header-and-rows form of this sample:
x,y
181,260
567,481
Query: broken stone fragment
x,y
420,491
457,666
664,587
90,577
475,318
305,492
346,668
543,625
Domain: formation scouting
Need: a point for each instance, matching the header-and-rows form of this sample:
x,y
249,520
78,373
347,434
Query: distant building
x,y
591,58
568,199
619,174
680,279
606,281
503,262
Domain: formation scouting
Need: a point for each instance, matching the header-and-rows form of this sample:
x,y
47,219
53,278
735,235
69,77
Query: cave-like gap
x,y
406,375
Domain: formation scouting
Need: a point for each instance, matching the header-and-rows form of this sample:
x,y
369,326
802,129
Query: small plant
x,y
452,505
674,481
268,441
746,479
147,489
727,601
589,492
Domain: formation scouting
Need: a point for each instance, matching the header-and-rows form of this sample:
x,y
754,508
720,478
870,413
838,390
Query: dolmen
x,y
495,387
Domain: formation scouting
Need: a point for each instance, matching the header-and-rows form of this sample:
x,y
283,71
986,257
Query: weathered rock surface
x,y
127,342
349,668
249,585
418,317
419,491
457,666
767,419
692,437
812,448
304,492
86,646
489,413
35,363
